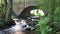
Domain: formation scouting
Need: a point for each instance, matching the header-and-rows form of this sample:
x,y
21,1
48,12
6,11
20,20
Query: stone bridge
x,y
19,5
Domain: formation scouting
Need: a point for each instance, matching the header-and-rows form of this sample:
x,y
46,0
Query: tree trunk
x,y
9,11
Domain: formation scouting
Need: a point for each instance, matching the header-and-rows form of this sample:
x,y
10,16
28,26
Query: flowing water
x,y
20,26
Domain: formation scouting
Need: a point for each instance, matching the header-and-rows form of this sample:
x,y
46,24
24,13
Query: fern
x,y
44,28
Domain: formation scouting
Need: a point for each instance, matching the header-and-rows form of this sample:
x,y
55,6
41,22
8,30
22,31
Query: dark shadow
x,y
26,11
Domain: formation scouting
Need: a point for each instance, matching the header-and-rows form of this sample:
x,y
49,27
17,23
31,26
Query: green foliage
x,y
57,18
6,13
53,12
3,13
44,4
57,15
44,28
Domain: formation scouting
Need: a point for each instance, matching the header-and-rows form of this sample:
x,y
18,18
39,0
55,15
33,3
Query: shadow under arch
x,y
26,11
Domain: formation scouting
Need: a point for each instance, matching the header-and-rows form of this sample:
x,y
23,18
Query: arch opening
x,y
28,10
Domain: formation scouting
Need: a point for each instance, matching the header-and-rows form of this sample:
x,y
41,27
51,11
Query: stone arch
x,y
26,11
